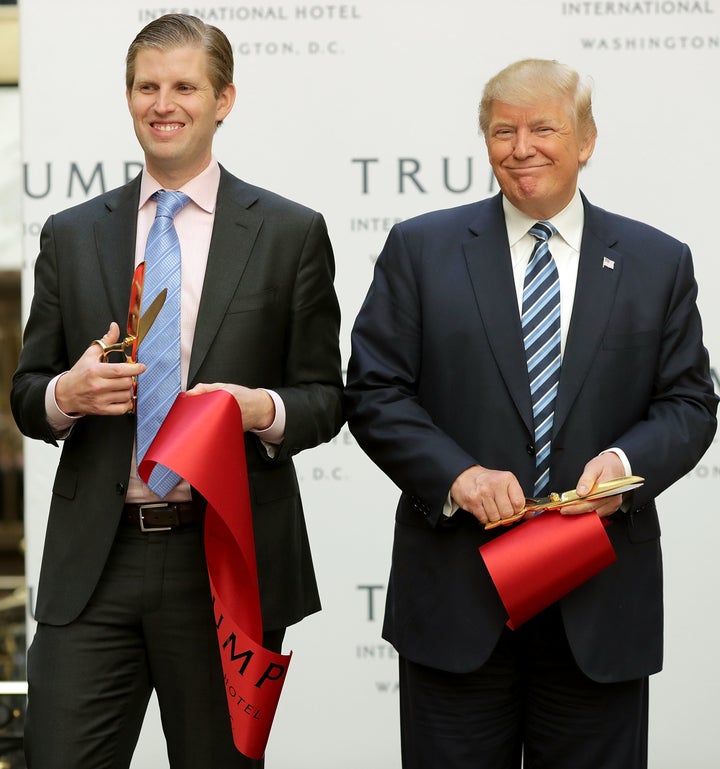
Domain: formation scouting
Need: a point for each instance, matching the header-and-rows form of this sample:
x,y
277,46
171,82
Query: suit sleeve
x,y
680,422
383,393
44,353
312,386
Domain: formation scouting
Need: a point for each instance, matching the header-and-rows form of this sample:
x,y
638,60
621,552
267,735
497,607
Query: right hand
x,y
94,387
490,495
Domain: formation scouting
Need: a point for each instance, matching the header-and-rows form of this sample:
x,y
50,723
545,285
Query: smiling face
x,y
536,154
175,112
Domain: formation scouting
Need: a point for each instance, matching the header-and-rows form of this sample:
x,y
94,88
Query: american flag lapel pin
x,y
609,263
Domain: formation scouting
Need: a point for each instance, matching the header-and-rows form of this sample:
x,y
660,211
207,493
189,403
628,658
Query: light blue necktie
x,y
160,349
541,335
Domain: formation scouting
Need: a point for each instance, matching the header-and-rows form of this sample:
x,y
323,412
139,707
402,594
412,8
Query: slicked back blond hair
x,y
531,81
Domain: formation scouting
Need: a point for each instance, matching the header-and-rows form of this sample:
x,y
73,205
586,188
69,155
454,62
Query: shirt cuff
x,y
274,435
623,458
60,422
450,507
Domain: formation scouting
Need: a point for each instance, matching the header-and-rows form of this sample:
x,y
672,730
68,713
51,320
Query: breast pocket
x,y
252,302
632,341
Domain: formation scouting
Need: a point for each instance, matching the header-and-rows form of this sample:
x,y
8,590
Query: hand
x,y
257,407
94,387
490,495
604,467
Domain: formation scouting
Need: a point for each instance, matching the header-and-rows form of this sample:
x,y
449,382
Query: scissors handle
x,y
118,347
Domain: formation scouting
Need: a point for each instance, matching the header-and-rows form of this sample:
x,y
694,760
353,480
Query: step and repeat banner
x,y
367,111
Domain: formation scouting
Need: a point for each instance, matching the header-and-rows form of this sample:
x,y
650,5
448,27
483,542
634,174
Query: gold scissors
x,y
555,500
137,325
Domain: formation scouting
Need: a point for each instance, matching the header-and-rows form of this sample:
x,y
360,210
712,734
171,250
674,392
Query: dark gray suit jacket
x,y
438,381
268,317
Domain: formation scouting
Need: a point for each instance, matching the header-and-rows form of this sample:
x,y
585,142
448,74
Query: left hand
x,y
604,467
257,407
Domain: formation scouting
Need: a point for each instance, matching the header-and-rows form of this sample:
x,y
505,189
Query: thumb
x,y
199,389
588,479
109,338
584,485
112,334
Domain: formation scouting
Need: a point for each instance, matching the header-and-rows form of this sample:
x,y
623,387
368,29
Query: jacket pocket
x,y
273,484
643,524
65,484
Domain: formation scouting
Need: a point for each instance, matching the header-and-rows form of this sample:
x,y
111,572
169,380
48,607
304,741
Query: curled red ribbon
x,y
202,440
541,560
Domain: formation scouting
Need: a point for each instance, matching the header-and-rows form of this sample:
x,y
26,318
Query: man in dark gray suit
x,y
439,396
123,604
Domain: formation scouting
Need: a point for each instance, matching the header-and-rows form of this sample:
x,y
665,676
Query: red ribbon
x,y
541,560
202,440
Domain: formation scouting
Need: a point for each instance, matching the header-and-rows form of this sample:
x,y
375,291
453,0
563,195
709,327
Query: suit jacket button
x,y
530,448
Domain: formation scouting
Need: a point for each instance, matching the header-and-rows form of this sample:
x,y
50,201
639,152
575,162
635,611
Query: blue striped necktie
x,y
541,336
160,349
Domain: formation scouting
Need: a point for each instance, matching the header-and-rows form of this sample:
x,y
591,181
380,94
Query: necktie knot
x,y
543,230
169,202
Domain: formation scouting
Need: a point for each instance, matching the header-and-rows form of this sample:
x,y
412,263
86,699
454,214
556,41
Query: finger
x,y
121,370
490,508
199,389
112,334
609,505
586,483
108,338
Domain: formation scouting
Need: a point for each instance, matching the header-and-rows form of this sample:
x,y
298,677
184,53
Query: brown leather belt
x,y
161,516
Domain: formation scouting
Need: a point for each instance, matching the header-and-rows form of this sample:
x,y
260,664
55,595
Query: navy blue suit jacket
x,y
438,382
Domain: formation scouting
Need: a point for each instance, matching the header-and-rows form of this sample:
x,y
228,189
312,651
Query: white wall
x,y
325,91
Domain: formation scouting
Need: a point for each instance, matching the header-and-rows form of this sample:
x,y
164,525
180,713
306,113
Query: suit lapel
x,y
599,273
234,234
115,239
490,267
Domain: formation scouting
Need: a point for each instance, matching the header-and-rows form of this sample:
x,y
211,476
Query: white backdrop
x,y
367,112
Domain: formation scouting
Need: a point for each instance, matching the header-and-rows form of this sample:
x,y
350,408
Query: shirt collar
x,y
569,222
202,189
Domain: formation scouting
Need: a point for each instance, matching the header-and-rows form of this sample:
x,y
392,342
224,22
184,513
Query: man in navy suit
x,y
123,604
438,395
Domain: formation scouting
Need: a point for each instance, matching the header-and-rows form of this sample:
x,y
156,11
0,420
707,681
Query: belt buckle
x,y
149,529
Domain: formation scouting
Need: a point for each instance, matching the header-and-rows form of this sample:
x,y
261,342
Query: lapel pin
x,y
609,263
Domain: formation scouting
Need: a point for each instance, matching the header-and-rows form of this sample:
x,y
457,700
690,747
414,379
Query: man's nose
x,y
524,145
164,101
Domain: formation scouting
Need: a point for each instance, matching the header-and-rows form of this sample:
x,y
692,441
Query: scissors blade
x,y
150,315
136,290
555,500
600,490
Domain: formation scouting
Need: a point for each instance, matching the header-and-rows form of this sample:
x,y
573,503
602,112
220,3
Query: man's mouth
x,y
527,167
167,127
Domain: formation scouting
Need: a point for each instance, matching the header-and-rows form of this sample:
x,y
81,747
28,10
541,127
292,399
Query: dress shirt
x,y
564,247
194,225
